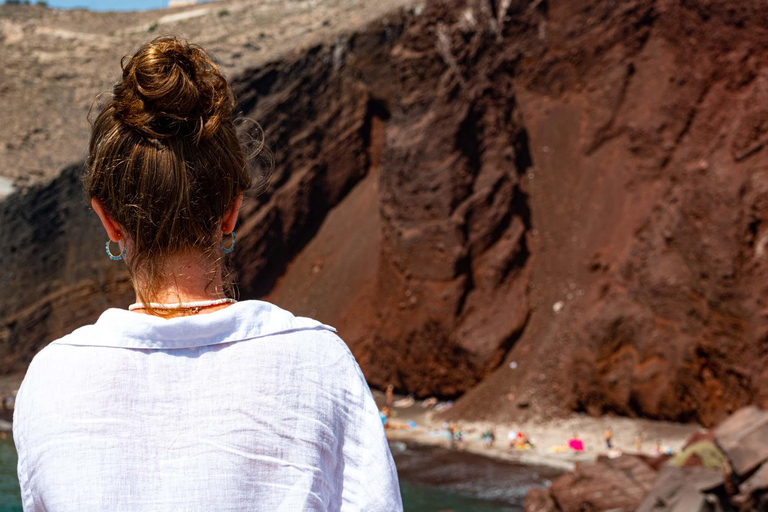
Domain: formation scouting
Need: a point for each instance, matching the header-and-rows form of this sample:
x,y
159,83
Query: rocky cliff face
x,y
432,292
647,196
552,205
54,278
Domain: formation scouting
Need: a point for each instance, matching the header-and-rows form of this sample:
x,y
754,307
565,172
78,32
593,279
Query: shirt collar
x,y
240,321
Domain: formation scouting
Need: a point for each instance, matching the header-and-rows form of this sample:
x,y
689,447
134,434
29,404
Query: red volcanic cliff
x,y
575,188
543,206
647,125
423,267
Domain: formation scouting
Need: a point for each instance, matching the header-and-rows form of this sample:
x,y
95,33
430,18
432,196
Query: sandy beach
x,y
545,436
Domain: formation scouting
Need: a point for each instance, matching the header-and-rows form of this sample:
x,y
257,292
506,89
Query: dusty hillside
x,y
552,205
55,62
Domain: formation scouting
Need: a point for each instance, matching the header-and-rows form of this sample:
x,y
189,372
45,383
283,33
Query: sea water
x,y
10,499
431,480
434,479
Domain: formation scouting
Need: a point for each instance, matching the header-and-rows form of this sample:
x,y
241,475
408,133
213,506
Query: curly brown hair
x,y
165,160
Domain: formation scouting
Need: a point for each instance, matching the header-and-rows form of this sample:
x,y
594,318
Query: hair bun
x,y
171,87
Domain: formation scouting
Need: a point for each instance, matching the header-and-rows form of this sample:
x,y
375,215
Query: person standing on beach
x,y
511,438
452,434
608,435
486,438
390,394
189,400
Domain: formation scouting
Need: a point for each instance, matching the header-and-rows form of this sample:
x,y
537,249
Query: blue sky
x,y
109,5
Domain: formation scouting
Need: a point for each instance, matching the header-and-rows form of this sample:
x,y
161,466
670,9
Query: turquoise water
x,y
431,480
436,479
422,498
10,499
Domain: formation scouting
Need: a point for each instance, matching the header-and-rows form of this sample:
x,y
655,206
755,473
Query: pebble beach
x,y
423,425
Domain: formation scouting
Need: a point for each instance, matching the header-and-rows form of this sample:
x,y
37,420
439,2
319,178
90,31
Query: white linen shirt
x,y
244,409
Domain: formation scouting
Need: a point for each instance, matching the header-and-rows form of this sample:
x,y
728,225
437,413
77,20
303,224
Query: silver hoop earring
x,y
112,256
227,250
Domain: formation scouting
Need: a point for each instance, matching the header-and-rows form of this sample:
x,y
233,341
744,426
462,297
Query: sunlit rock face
x,y
647,191
541,206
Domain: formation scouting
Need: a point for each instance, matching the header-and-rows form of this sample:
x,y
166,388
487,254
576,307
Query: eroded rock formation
x,y
445,229
453,274
647,196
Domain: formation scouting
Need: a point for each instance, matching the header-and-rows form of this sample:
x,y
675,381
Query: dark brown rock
x,y
610,484
55,277
452,277
540,500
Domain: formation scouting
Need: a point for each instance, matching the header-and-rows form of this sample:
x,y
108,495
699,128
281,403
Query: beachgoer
x,y
390,395
452,434
511,438
384,414
575,443
608,436
492,435
487,438
522,442
639,443
189,400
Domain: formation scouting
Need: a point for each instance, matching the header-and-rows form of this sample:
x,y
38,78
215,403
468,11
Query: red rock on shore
x,y
733,477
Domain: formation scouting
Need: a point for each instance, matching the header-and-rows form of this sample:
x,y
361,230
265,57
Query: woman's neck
x,y
190,278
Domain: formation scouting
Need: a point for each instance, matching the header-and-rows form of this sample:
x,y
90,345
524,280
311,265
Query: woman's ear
x,y
110,226
230,218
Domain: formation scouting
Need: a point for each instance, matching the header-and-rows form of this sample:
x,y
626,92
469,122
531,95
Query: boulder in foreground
x,y
725,470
